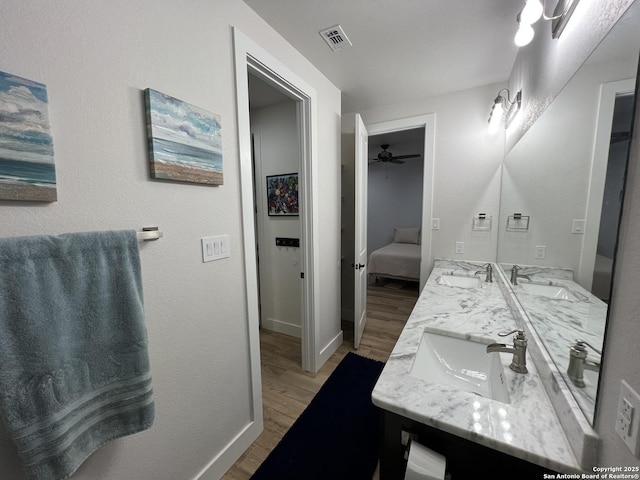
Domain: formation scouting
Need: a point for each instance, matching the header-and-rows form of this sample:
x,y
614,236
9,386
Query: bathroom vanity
x,y
441,386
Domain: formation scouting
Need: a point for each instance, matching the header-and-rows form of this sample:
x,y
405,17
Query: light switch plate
x,y
541,252
459,247
215,248
578,226
435,224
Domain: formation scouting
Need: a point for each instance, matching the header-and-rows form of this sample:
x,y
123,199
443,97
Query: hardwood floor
x,y
287,389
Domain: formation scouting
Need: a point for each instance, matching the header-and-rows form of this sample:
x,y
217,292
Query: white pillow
x,y
406,235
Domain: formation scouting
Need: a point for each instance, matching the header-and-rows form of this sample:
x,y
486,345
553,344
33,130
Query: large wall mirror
x,y
560,204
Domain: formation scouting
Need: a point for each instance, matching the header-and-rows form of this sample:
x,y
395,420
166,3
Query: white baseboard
x,y
329,349
222,462
282,327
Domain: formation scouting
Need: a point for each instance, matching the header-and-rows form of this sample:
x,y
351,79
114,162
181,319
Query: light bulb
x,y
531,12
524,35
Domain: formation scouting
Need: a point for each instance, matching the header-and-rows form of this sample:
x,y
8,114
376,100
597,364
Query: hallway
x,y
287,389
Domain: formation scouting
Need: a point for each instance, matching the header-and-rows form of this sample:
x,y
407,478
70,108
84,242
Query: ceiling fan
x,y
388,157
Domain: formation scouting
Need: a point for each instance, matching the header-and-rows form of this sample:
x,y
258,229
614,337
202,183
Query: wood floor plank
x,y
287,389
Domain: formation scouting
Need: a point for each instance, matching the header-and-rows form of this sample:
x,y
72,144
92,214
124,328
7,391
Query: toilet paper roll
x,y
424,464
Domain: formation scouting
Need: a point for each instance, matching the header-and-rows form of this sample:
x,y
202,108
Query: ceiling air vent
x,y
335,38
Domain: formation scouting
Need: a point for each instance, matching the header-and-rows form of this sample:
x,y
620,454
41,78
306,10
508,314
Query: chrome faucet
x,y
489,271
578,362
519,350
515,275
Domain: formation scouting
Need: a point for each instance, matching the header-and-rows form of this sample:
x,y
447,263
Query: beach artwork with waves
x,y
27,169
185,142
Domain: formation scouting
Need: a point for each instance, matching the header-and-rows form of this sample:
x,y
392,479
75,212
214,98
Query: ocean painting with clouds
x,y
27,170
185,142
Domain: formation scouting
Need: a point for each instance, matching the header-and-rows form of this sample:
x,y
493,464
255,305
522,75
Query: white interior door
x,y
360,261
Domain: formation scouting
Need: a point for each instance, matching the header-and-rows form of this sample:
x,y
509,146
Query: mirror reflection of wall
x,y
547,176
570,166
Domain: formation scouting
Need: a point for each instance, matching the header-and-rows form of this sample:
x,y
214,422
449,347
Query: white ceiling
x,y
402,49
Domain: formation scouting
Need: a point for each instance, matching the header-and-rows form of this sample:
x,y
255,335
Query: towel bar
x,y
149,233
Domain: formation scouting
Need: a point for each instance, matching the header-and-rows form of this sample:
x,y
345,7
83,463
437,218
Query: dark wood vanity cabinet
x,y
466,460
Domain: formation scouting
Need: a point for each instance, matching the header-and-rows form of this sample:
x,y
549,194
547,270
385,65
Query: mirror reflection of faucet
x,y
519,350
578,362
515,275
489,271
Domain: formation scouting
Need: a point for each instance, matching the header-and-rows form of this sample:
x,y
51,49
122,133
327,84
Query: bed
x,y
399,260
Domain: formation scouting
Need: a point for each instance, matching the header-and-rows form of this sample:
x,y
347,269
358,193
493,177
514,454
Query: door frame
x,y
428,122
608,93
251,57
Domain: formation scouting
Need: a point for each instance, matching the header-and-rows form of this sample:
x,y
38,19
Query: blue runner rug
x,y
336,437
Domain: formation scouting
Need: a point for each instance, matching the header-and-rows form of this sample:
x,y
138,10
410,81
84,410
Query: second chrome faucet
x,y
489,271
519,350
578,362
515,275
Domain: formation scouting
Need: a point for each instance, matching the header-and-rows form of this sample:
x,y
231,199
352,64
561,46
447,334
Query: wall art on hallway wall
x,y
27,169
282,194
185,141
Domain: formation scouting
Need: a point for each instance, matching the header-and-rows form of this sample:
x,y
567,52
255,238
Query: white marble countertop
x,y
560,323
527,428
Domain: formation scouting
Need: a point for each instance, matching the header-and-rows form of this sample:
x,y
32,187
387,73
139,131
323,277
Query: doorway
x,y
352,287
276,163
612,197
395,185
425,123
251,58
596,268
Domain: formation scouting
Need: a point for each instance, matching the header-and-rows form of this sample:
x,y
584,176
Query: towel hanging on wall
x,y
74,365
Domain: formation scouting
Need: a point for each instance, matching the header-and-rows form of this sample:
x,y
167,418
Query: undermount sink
x,y
459,281
549,291
460,363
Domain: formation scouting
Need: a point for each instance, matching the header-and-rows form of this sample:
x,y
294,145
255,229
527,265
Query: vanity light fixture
x,y
534,10
504,109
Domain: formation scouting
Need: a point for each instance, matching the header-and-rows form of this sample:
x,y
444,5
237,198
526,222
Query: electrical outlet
x,y
541,251
625,418
459,247
626,409
435,224
627,425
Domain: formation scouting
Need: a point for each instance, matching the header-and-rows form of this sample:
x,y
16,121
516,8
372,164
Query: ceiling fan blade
x,y
395,160
414,155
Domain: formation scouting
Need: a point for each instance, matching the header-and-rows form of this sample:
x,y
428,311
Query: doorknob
x,y
359,266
